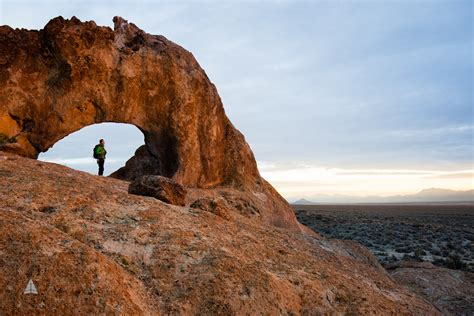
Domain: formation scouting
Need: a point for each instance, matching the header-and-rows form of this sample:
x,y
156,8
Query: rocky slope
x,y
452,291
92,248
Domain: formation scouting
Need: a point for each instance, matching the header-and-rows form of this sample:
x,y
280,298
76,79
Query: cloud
x,y
467,129
297,181
456,175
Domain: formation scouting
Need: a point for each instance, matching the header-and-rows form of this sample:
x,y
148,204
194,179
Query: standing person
x,y
99,154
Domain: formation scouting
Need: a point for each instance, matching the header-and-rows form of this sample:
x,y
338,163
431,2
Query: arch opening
x,y
75,150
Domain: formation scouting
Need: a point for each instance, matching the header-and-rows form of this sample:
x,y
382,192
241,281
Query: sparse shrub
x,y
455,262
418,255
452,262
402,249
439,262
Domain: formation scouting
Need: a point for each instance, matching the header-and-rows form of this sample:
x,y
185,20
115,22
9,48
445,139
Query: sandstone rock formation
x,y
161,188
72,74
94,252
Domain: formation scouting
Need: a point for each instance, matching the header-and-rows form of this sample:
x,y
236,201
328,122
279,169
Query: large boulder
x,y
161,188
72,74
142,163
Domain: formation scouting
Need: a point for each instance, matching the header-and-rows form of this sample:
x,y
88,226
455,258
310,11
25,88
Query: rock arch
x,y
72,74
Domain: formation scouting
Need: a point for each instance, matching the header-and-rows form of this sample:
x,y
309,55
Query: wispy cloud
x,y
296,181
435,131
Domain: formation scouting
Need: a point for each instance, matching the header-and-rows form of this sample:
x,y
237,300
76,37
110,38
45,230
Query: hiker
x,y
99,154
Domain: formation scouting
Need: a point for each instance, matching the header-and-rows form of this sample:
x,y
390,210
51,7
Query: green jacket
x,y
100,151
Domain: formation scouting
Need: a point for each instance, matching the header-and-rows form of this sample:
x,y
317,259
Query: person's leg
x,y
101,166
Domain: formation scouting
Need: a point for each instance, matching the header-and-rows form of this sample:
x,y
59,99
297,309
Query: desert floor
x,y
441,234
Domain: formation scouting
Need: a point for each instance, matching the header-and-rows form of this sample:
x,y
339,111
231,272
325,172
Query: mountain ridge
x,y
430,195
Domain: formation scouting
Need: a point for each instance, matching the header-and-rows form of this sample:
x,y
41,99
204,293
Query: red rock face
x,y
72,74
96,252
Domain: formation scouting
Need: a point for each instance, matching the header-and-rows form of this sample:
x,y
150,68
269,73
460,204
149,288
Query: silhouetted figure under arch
x,y
99,154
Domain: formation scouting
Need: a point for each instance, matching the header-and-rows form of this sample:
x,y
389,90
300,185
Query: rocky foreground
x,y
452,291
415,243
92,248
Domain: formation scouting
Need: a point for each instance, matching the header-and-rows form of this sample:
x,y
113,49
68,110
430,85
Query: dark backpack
x,y
94,152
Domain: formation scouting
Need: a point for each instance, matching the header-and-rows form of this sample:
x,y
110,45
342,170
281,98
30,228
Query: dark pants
x,y
100,162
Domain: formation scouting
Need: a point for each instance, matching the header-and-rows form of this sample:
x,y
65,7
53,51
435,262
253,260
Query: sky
x,y
334,97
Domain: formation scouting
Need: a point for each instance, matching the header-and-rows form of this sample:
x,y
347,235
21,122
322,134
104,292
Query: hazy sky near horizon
x,y
351,97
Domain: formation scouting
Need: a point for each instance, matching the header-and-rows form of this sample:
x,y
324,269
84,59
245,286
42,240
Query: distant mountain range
x,y
433,195
303,202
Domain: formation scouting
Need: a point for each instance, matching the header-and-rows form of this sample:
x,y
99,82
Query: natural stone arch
x,y
76,74
73,74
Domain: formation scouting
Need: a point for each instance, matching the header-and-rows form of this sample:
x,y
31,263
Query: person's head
x,y
102,142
